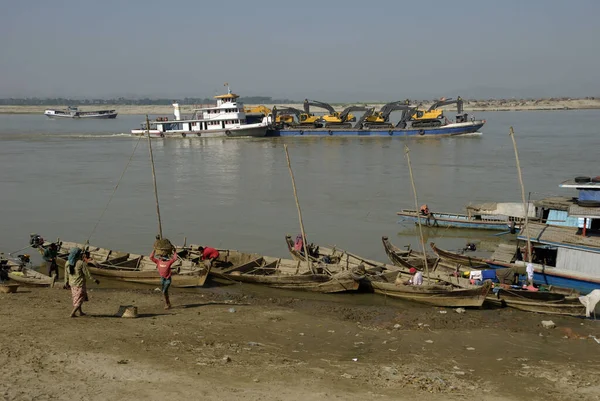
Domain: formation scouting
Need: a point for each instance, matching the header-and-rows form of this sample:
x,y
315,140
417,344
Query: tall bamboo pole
x,y
154,177
412,181
306,256
525,204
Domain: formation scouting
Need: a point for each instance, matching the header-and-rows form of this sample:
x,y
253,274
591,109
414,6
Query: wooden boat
x,y
455,220
22,274
408,258
540,302
149,277
436,295
332,258
466,261
235,266
135,268
31,277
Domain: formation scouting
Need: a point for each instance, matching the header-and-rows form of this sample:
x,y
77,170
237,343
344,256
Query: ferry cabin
x,y
227,114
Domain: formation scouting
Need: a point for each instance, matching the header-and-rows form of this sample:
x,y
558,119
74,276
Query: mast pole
x,y
306,256
412,181
525,204
154,178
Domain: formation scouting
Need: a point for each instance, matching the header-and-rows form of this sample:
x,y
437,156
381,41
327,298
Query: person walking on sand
x,y
76,273
163,265
208,255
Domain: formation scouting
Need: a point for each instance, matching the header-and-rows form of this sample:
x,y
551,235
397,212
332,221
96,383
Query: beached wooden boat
x,y
409,258
455,220
31,277
467,261
436,295
335,258
22,274
135,268
149,277
235,266
540,302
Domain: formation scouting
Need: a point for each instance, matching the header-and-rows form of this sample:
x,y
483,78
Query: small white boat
x,y
226,119
74,112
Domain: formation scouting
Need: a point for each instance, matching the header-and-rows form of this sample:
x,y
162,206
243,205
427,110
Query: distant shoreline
x,y
470,106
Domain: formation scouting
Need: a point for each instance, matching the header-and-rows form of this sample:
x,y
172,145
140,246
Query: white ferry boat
x,y
226,119
73,112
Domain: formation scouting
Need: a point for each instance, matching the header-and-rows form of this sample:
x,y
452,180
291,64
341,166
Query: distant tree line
x,y
35,101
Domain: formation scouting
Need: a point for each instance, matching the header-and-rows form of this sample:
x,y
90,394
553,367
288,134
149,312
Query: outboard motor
x,y
470,247
35,240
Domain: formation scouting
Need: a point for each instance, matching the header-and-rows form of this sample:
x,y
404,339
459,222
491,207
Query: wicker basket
x,y
163,247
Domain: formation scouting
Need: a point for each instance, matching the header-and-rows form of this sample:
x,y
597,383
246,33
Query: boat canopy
x,y
560,236
512,209
585,212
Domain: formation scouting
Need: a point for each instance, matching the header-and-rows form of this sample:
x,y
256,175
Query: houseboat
x,y
74,112
564,254
226,119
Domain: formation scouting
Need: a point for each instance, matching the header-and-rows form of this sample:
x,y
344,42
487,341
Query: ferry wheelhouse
x,y
226,119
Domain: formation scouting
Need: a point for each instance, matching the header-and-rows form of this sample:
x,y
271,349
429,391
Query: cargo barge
x,y
452,129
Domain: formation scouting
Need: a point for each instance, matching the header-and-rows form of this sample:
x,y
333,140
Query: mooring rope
x,y
115,189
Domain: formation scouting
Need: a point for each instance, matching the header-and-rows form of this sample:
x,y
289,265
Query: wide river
x,y
57,177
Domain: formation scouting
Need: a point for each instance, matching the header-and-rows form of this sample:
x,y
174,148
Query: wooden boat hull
x,y
451,220
150,277
461,260
406,259
312,282
279,273
444,296
31,278
133,268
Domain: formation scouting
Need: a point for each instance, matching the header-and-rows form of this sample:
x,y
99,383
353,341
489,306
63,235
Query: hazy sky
x,y
327,50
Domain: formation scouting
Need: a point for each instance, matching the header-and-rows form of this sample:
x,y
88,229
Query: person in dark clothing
x,y
49,256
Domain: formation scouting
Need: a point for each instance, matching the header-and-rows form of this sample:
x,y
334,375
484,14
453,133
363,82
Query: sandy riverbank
x,y
279,346
472,105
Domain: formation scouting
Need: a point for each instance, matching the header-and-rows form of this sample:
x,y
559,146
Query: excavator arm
x,y
344,114
391,107
308,103
445,102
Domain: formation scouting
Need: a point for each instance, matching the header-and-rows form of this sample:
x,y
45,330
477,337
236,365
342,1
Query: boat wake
x,y
473,134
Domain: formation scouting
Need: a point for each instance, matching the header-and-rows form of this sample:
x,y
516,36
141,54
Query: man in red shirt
x,y
208,255
164,269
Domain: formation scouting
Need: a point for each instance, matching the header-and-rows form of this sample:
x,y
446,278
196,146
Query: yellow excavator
x,y
433,116
284,116
257,110
380,119
333,119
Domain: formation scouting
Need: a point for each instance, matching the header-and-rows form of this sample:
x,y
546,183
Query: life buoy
x,y
228,133
183,134
301,132
390,132
162,135
198,134
329,132
421,132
